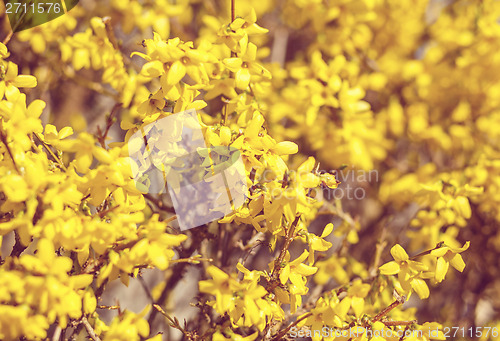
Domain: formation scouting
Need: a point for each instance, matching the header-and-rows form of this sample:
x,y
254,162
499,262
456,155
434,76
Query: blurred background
x,y
418,105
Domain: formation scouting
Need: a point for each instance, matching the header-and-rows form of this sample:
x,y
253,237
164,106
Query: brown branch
x,y
191,260
14,28
399,323
252,248
77,327
146,289
286,245
404,334
3,138
110,120
274,278
381,244
233,10
8,37
70,73
108,307
177,272
438,245
158,203
18,247
110,33
174,322
224,116
94,266
102,214
90,330
233,16
57,334
46,147
386,310
284,331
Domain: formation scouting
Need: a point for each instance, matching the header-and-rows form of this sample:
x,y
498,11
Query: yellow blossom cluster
x,y
305,91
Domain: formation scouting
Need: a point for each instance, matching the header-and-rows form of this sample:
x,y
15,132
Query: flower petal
x,y
176,72
25,81
390,268
285,148
327,230
458,263
242,78
420,288
399,253
441,269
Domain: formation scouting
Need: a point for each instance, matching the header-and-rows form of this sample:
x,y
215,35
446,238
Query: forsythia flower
x,y
405,89
446,256
10,81
408,271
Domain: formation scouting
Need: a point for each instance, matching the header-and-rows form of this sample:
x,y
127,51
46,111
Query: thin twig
x,y
399,323
76,330
8,38
259,243
174,323
158,203
233,16
14,28
3,138
95,265
70,73
110,33
254,97
108,307
90,330
233,10
286,245
169,219
56,159
110,119
404,334
102,214
177,272
438,245
381,244
146,289
192,260
284,331
18,247
274,278
386,310
224,116
57,334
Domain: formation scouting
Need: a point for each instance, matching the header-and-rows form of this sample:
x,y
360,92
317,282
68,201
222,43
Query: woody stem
x,y
386,310
233,10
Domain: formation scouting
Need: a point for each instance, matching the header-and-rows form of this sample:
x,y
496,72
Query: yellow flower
x,y
172,60
4,52
235,35
155,103
245,66
447,255
322,314
52,136
317,243
10,80
297,272
128,326
222,286
356,297
408,271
